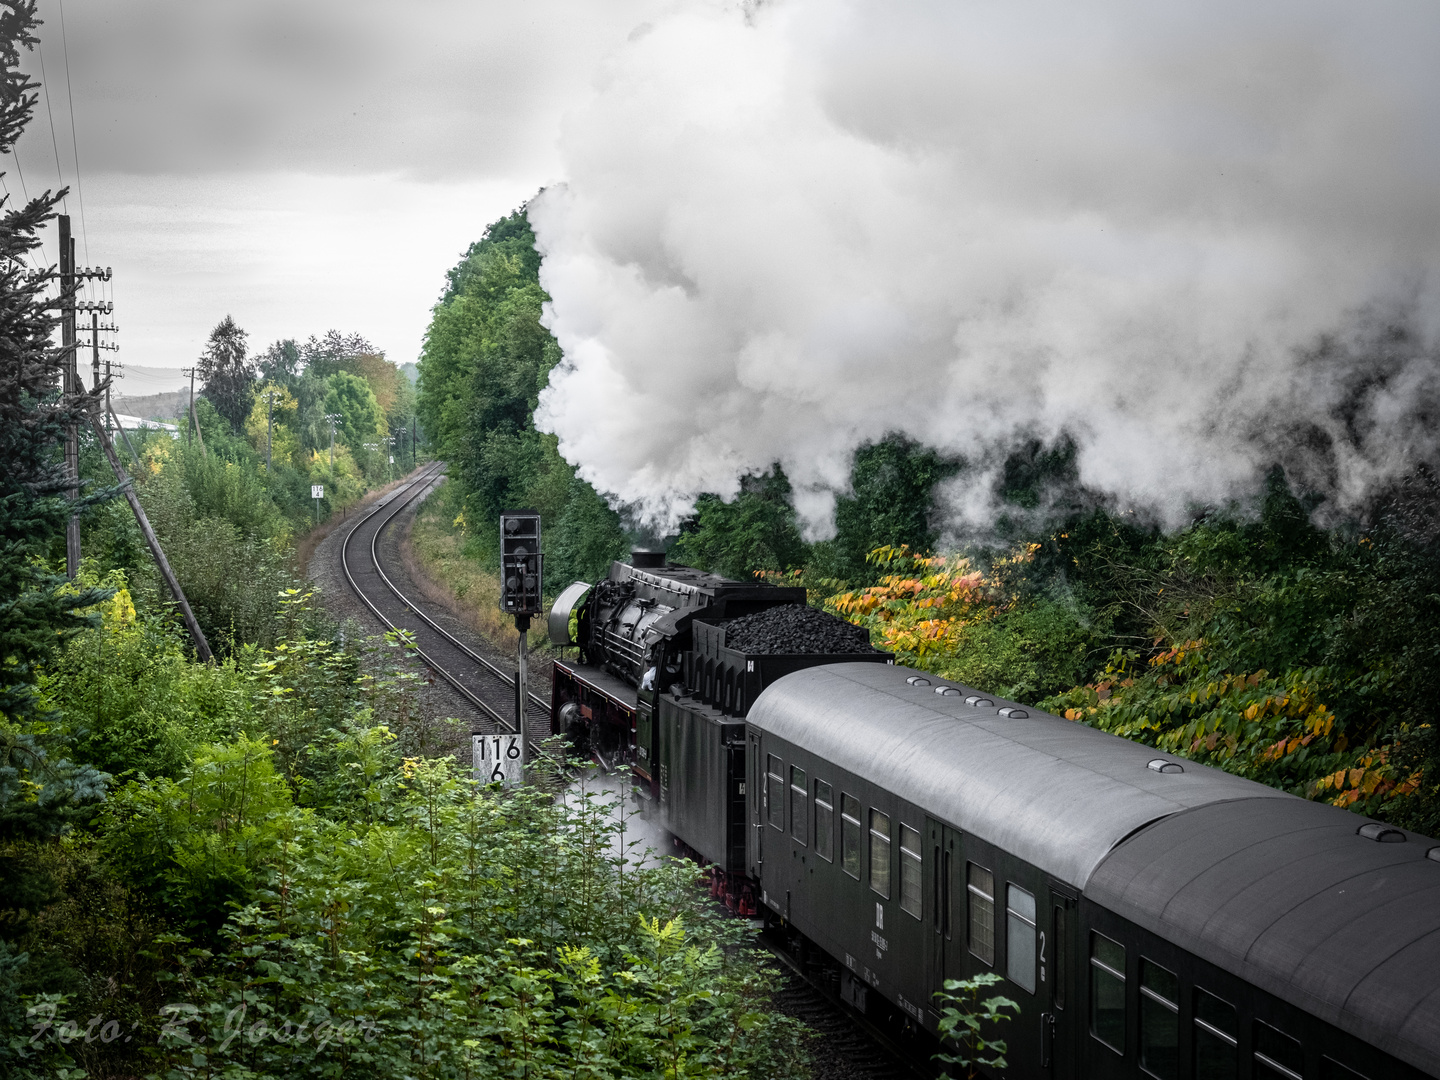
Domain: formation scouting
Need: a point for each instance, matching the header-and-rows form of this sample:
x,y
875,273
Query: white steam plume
x,y
790,228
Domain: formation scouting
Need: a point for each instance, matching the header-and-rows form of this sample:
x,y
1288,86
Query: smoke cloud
x,y
1193,239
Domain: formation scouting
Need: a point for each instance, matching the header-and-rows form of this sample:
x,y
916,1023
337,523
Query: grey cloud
x,y
437,88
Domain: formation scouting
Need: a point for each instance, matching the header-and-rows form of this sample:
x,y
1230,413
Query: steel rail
x,y
395,504
509,680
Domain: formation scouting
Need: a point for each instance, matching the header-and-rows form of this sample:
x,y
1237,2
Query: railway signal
x,y
520,577
520,564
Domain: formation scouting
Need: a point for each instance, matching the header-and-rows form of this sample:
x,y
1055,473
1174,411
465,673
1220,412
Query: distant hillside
x,y
154,406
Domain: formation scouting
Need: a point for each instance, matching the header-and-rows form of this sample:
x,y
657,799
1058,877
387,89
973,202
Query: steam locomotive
x,y
1152,917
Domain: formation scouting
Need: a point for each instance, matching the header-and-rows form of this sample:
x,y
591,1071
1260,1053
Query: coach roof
x,y
1290,896
1058,794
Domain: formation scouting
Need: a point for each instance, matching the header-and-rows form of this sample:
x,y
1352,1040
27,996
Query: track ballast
x,y
489,689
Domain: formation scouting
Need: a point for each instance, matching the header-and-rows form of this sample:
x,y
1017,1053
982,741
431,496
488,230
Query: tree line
x,y
330,407
1256,639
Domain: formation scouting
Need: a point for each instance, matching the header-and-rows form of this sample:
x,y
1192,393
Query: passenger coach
x,y
1152,917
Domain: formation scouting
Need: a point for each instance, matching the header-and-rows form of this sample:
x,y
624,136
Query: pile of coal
x,y
793,629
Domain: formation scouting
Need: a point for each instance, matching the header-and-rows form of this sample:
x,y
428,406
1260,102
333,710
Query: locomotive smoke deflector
x,y
563,611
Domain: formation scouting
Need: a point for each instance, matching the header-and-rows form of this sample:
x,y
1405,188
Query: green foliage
x,y
126,696
586,539
226,373
966,1020
205,548
755,531
337,374
469,932
891,503
485,361
1025,653
351,398
291,883
41,788
196,844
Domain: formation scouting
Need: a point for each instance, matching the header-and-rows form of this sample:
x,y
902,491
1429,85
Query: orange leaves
x,y
922,605
1372,780
1175,655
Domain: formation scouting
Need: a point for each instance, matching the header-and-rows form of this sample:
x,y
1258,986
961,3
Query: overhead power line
x,y
74,142
54,142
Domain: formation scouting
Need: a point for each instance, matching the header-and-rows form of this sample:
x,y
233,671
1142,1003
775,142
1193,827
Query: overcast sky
x,y
1191,238
299,165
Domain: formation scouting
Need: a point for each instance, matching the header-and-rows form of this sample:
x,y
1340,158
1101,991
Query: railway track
x,y
481,683
842,1049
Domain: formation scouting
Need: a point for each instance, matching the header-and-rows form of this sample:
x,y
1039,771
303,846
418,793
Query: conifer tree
x,y
228,375
38,608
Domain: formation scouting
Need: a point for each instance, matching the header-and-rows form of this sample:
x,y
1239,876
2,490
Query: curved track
x,y
490,689
844,1049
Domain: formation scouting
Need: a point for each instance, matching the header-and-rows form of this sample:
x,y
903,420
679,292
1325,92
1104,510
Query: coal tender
x,y
671,658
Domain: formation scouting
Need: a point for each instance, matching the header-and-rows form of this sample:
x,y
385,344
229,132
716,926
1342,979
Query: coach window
x,y
1277,1055
1216,1032
799,810
1020,937
909,870
850,835
1107,991
824,821
980,894
1159,1021
775,791
880,852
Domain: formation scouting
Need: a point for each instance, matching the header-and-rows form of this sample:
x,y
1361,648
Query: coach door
x,y
754,801
1061,1024
942,937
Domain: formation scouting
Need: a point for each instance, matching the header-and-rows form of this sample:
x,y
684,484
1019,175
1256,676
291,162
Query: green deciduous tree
x,y
350,397
891,503
280,363
754,531
485,361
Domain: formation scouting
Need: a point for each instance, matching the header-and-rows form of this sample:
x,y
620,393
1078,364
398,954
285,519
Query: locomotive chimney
x,y
643,559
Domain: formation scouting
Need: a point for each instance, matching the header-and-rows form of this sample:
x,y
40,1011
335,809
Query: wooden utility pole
x,y
332,417
121,428
71,384
94,348
269,425
190,431
202,647
194,416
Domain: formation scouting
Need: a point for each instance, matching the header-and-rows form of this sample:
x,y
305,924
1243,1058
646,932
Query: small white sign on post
x,y
392,459
317,491
498,759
